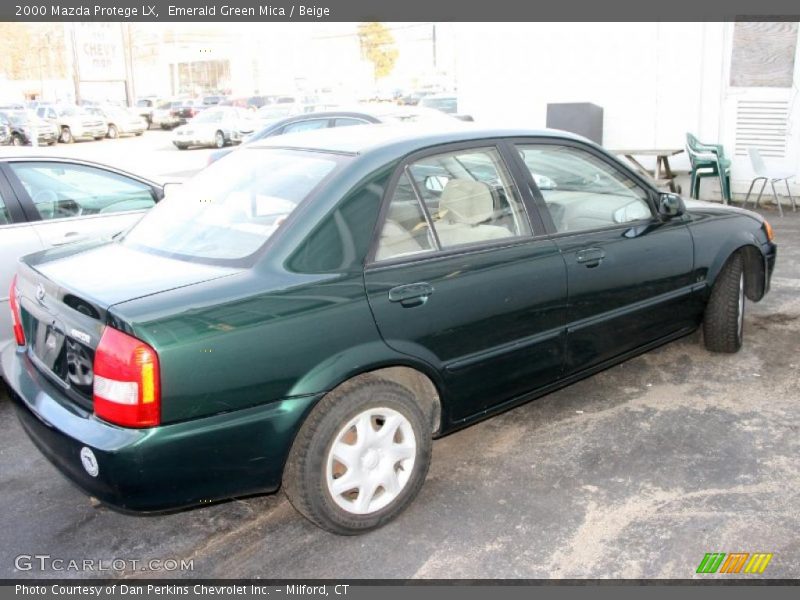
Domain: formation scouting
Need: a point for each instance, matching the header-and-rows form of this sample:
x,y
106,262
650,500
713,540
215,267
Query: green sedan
x,y
310,312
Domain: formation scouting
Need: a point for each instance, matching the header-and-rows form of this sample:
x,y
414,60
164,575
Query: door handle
x,y
67,238
412,294
590,257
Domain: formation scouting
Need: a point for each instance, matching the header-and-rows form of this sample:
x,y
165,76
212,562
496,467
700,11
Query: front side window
x,y
231,208
469,199
61,190
581,191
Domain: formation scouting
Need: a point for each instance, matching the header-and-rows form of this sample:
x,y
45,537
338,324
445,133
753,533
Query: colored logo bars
x,y
736,562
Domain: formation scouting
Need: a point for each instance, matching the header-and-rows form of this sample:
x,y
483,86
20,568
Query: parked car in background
x,y
5,132
213,99
188,110
120,120
446,103
173,113
146,107
49,202
25,126
215,127
311,314
362,114
73,122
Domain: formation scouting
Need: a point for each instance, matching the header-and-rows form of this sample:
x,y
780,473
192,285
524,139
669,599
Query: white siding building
x,y
655,82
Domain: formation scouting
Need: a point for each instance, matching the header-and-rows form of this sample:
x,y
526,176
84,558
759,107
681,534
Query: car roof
x,y
400,138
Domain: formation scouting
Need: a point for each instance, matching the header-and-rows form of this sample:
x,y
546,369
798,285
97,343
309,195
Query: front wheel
x,y
17,140
360,458
113,132
66,136
219,140
723,323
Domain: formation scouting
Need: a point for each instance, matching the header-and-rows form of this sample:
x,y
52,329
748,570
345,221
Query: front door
x,y
629,273
459,281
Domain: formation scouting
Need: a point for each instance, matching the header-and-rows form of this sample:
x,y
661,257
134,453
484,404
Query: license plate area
x,y
48,347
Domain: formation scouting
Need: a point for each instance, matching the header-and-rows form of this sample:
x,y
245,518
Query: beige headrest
x,y
466,201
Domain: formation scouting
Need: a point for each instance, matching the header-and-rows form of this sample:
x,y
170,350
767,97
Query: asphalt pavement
x,y
635,472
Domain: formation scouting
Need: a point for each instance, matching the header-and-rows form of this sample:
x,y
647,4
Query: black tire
x,y
16,140
181,146
219,140
113,132
304,476
723,322
66,136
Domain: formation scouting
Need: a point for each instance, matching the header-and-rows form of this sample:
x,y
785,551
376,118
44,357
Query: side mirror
x,y
670,206
170,188
436,183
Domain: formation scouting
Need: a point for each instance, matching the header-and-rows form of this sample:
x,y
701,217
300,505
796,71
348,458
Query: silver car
x,y
47,202
215,127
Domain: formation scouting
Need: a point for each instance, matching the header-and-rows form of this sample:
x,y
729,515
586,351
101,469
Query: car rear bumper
x,y
160,468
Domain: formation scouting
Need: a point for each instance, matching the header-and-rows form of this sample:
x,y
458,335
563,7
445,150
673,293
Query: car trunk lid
x,y
67,295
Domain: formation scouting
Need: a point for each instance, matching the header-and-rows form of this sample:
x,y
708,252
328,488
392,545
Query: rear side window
x,y
347,122
467,197
60,190
306,125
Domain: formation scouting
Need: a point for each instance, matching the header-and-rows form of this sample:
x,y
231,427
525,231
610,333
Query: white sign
x,y
99,51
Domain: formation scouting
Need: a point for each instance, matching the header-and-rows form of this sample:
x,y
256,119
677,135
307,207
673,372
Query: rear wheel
x,y
17,140
113,132
219,140
723,323
360,458
181,146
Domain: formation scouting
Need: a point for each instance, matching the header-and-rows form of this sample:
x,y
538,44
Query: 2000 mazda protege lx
x,y
310,312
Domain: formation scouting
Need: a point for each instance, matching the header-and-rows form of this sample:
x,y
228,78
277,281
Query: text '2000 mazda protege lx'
x,y
310,312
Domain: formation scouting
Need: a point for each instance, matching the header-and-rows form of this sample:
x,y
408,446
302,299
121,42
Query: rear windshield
x,y
228,211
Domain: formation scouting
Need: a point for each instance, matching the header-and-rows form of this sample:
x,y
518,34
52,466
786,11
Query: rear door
x,y
630,274
69,202
458,278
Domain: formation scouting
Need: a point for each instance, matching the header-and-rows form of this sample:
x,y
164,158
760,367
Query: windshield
x,y
230,209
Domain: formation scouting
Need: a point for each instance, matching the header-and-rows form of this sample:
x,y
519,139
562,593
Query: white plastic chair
x,y
765,174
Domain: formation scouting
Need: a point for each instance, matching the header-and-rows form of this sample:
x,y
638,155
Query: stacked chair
x,y
708,160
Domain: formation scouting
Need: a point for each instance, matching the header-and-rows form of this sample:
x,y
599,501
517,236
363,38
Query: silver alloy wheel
x,y
219,140
370,461
740,316
112,131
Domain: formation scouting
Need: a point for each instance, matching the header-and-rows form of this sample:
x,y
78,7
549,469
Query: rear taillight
x,y
127,387
16,315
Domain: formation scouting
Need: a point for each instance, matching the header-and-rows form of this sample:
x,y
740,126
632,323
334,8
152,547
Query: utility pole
x,y
433,43
76,75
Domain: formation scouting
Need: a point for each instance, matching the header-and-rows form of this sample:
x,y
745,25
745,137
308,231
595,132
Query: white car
x,y
47,202
215,127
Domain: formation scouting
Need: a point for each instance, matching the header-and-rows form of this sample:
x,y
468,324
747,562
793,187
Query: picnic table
x,y
663,174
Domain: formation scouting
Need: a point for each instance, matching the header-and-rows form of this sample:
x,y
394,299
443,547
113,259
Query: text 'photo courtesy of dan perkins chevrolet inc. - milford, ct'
x,y
206,10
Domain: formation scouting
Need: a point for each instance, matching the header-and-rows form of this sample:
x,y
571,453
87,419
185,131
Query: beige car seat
x,y
463,207
396,241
